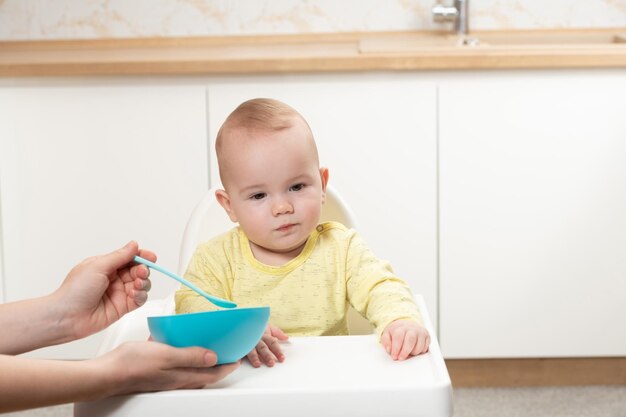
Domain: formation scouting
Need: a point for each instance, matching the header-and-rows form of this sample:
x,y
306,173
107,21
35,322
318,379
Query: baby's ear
x,y
224,200
324,178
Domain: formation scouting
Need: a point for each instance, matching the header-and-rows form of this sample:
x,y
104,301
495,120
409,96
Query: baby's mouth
x,y
286,227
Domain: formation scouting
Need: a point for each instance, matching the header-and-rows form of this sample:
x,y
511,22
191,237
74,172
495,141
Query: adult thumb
x,y
193,357
120,257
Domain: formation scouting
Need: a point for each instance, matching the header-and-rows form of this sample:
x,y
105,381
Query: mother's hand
x,y
101,289
152,366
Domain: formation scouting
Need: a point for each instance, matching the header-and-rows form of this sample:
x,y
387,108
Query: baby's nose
x,y
282,206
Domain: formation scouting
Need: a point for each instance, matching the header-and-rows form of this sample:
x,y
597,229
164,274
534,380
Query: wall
x,y
81,19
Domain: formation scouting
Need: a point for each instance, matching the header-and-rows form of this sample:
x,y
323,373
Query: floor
x,y
589,401
596,401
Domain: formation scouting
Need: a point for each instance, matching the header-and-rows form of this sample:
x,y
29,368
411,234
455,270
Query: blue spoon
x,y
215,300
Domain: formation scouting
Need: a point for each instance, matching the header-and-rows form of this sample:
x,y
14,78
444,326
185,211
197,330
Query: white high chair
x,y
333,376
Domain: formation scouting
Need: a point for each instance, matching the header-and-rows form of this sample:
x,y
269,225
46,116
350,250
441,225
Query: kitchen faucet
x,y
457,14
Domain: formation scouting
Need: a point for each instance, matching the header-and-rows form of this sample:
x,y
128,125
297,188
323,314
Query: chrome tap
x,y
459,14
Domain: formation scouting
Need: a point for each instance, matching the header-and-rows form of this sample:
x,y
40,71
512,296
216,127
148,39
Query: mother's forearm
x,y
29,383
31,324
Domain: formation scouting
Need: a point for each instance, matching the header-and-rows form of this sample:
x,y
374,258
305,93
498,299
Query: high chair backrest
x,y
209,219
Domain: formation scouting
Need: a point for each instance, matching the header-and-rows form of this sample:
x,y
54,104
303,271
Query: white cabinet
x,y
533,215
377,136
83,170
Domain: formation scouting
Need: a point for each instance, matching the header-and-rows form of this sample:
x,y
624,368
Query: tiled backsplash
x,y
89,19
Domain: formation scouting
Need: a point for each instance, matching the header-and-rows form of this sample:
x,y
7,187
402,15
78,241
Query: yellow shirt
x,y
308,295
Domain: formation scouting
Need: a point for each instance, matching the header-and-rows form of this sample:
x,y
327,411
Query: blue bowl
x,y
231,333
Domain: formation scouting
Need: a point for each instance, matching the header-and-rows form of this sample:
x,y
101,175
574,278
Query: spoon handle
x,y
215,300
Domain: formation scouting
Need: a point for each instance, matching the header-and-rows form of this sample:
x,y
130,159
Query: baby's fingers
x,y
273,345
253,357
422,345
265,353
397,340
408,346
277,333
385,340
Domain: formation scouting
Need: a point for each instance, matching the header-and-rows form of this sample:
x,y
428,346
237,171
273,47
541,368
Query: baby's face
x,y
274,185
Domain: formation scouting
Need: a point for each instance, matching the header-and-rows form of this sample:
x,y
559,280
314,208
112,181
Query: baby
x,y
280,255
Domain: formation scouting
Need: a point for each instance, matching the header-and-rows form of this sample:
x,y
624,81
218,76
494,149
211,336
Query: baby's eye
x,y
258,196
296,187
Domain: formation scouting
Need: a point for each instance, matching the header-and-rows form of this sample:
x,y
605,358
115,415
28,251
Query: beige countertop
x,y
396,51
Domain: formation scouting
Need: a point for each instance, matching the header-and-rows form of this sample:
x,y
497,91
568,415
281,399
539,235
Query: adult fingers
x,y
193,357
142,284
118,258
139,298
198,377
139,272
148,254
142,271
220,372
140,291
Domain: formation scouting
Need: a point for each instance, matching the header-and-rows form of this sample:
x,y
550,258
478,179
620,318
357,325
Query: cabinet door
x,y
533,224
86,169
377,137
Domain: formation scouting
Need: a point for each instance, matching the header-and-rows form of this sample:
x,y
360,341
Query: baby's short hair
x,y
262,115
265,114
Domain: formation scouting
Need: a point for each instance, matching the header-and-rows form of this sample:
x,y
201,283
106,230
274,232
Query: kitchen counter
x,y
336,52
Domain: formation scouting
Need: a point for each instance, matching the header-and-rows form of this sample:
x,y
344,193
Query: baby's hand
x,y
268,350
404,338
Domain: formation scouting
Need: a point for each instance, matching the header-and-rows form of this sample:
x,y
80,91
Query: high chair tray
x,y
321,376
